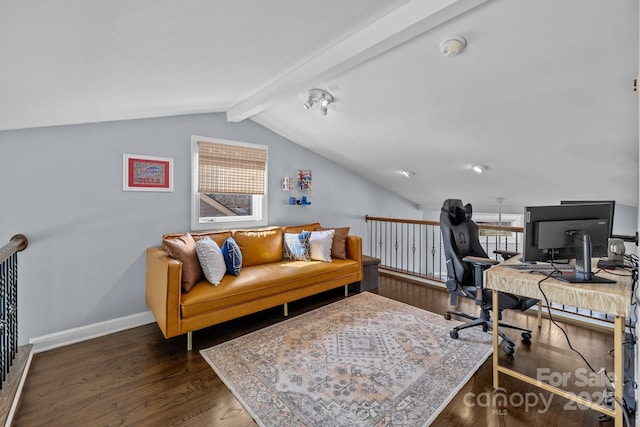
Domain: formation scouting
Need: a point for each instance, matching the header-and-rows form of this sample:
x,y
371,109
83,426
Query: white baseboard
x,y
83,333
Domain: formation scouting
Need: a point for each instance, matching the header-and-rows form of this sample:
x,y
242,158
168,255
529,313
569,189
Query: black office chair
x,y
466,261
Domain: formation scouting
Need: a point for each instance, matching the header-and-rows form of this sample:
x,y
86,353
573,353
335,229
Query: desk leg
x,y
495,315
539,314
618,367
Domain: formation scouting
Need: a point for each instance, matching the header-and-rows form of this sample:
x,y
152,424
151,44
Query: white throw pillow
x,y
211,260
320,243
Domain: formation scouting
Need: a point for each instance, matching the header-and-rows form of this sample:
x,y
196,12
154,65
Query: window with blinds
x,y
229,183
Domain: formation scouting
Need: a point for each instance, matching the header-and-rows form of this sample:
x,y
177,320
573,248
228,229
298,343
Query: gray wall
x,y
62,187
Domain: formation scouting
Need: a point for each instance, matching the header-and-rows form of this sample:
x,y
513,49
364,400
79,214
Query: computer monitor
x,y
562,232
610,203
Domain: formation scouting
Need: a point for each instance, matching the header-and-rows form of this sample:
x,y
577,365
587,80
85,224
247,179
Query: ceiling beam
x,y
404,23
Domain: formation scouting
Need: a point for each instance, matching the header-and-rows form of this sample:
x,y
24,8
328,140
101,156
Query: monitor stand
x,y
583,272
581,277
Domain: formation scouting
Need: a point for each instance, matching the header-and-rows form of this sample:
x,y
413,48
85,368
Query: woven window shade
x,y
227,168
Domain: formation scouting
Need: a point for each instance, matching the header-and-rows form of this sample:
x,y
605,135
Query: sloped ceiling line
x,y
404,23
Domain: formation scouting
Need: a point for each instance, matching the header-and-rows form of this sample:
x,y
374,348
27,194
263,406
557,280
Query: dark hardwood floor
x,y
136,377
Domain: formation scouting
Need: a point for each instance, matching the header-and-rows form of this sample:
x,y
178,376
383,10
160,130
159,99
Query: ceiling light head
x,y
309,103
407,173
321,97
451,46
479,168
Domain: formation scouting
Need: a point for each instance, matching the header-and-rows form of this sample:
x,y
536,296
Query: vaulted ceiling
x,y
542,94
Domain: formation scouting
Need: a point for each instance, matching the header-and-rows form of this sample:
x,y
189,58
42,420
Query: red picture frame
x,y
147,173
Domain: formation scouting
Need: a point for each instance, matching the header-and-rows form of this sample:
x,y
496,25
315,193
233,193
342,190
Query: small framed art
x,y
304,179
147,173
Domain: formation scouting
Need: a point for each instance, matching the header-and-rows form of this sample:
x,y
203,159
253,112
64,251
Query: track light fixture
x,y
309,103
321,97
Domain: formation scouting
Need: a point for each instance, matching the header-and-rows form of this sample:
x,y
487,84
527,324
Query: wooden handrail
x,y
400,220
17,243
437,223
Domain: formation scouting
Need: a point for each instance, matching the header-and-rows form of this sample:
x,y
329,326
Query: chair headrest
x,y
456,212
469,210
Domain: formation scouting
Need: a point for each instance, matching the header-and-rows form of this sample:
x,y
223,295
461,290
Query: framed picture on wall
x,y
304,179
147,173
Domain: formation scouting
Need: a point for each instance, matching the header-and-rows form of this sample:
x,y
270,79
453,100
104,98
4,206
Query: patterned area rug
x,y
363,361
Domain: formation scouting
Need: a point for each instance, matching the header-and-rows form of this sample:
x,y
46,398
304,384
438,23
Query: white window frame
x,y
260,203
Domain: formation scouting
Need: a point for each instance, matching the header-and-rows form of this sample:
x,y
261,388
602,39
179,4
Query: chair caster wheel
x,y
447,316
526,337
454,334
508,348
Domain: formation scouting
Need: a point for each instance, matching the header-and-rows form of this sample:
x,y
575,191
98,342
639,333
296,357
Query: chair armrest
x,y
476,260
506,254
479,264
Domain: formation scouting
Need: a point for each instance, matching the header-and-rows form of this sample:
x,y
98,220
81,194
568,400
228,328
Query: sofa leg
x,y
286,309
189,341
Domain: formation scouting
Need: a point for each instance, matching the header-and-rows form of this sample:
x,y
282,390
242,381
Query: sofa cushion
x,y
211,260
300,228
339,246
260,281
320,245
183,248
217,236
232,256
259,246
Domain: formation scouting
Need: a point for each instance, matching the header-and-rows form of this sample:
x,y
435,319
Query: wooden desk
x,y
611,298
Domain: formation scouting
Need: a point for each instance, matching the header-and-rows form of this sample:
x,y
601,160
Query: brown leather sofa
x,y
261,284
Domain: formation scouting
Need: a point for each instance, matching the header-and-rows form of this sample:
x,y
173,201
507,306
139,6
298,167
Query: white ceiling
x,y
542,94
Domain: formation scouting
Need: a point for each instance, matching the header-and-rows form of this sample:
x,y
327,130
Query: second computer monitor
x,y
551,233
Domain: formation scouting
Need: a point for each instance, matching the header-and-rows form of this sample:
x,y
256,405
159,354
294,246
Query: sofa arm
x,y
354,251
162,291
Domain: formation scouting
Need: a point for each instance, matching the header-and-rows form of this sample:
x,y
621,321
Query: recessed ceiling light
x,y
479,168
407,173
